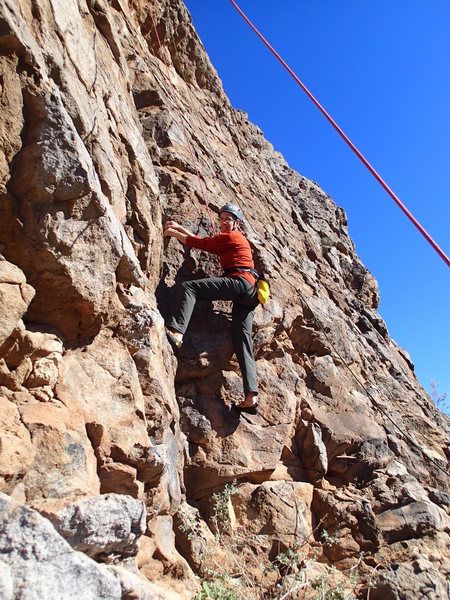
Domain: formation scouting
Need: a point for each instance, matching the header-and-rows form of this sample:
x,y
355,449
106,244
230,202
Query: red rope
x,y
346,139
191,150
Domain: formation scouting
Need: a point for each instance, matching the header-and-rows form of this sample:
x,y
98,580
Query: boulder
x,y
279,510
100,526
38,563
404,581
412,520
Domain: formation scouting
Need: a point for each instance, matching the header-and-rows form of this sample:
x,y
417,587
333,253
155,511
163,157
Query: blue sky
x,y
382,70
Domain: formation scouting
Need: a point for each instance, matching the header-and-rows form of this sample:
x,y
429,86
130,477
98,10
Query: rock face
x,y
36,560
115,455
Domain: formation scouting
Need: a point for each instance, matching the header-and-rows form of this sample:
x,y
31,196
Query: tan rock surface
x,y
93,161
15,297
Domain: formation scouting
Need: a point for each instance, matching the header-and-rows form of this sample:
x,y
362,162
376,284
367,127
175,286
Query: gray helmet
x,y
232,209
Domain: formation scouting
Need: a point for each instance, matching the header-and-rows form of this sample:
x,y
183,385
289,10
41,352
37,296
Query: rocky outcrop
x,y
38,563
126,465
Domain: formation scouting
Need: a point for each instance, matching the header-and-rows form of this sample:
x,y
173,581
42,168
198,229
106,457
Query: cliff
x,y
124,470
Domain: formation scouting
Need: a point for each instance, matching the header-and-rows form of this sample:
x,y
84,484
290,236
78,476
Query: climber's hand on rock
x,y
172,225
176,233
170,231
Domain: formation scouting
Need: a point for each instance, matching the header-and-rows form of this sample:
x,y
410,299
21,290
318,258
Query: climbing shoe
x,y
176,344
250,410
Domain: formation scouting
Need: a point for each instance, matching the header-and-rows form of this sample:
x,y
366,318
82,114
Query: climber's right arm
x,y
177,227
179,235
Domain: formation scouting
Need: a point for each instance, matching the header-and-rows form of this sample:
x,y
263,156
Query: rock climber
x,y
237,284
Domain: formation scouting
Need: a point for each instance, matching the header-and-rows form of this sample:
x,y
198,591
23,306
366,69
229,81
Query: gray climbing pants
x,y
237,289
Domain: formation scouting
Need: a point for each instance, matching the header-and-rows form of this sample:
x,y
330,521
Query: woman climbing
x,y
237,284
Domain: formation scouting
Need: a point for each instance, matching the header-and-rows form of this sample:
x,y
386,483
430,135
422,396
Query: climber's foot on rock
x,y
175,338
249,405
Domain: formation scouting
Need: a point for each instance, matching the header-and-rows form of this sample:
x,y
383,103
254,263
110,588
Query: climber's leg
x,y
242,324
210,288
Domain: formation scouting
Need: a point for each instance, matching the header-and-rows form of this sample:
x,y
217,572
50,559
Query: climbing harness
x,y
177,103
366,163
262,285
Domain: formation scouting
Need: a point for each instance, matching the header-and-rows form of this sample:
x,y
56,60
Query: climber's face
x,y
227,222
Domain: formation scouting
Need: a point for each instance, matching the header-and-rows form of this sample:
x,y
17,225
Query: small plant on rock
x,y
441,400
230,567
220,517
215,590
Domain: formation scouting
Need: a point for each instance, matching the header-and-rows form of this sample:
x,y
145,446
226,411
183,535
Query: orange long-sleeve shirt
x,y
232,248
